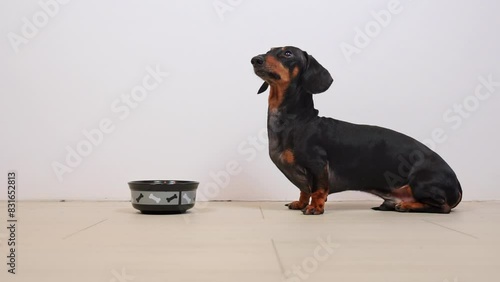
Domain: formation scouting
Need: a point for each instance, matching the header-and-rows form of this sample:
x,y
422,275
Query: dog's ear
x,y
315,78
263,87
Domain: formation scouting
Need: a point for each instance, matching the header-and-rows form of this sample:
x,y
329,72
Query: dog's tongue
x,y
263,87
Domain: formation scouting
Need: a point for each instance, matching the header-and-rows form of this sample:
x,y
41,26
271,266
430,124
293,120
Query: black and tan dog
x,y
321,155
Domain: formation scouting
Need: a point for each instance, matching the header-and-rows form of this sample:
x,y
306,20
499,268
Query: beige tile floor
x,y
252,241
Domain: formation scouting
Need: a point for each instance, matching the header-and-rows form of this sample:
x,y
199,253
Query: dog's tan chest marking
x,y
287,157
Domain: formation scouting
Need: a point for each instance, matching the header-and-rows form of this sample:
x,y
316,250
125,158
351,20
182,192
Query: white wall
x,y
66,76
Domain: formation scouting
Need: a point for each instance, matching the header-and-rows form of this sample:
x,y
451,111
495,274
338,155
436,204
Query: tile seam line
x,y
81,230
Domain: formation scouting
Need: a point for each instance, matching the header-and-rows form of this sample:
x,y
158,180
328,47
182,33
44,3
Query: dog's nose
x,y
257,60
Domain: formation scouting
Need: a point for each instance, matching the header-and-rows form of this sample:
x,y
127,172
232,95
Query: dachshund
x,y
322,155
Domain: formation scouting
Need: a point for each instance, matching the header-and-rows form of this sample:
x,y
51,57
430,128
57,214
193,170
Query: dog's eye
x,y
288,54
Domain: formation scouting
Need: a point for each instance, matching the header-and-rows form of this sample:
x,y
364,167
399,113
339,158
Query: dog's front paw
x,y
313,210
296,205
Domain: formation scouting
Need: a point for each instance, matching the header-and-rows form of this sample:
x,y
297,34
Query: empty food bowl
x,y
163,196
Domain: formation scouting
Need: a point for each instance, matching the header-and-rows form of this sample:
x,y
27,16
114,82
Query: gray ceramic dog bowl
x,y
163,196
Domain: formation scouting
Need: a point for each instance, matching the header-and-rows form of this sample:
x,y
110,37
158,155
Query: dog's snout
x,y
257,60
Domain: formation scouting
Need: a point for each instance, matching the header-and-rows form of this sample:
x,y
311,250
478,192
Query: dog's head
x,y
283,65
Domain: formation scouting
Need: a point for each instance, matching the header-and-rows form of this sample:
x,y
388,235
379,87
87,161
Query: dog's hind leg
x,y
389,201
426,198
421,207
387,205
